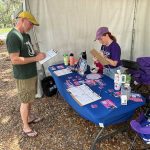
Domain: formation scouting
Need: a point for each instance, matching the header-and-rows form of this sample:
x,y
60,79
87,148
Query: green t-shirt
x,y
21,42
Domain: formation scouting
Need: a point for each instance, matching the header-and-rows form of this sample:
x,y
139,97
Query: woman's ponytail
x,y
111,36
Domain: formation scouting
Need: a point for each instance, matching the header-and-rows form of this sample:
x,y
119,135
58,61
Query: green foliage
x,y
7,8
5,30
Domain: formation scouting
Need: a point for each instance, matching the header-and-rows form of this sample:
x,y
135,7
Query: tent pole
x,y
133,31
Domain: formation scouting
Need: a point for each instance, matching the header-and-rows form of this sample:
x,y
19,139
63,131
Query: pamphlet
x,y
108,104
136,97
50,54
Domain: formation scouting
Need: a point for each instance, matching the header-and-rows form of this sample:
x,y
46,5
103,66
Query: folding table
x,y
96,112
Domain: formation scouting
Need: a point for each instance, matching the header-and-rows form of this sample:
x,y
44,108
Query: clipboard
x,y
99,56
50,54
88,97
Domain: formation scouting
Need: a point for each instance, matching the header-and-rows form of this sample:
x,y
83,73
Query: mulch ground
x,y
61,129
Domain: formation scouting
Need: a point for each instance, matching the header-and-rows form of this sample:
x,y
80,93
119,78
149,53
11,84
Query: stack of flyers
x,y
68,84
113,93
100,82
136,97
52,68
60,67
117,94
90,82
108,104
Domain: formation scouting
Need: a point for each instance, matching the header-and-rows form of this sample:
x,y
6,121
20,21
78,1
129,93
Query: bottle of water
x,y
66,59
84,55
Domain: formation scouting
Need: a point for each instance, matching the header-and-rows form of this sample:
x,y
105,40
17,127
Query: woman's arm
x,y
112,62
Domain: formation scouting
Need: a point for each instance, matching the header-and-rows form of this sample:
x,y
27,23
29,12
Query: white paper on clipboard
x,y
50,54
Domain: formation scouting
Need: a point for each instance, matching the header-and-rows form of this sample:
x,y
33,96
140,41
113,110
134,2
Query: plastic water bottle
x,y
84,55
117,80
66,59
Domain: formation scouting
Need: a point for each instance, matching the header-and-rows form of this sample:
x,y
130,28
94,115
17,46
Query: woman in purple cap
x,y
111,50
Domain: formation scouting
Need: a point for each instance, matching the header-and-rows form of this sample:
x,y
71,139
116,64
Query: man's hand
x,y
17,60
40,56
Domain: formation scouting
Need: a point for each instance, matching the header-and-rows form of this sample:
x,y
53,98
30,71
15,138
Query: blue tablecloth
x,y
99,115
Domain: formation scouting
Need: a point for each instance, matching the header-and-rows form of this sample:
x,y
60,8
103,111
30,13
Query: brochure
x,y
108,104
62,72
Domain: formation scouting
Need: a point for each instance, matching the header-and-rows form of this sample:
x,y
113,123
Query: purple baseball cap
x,y
100,32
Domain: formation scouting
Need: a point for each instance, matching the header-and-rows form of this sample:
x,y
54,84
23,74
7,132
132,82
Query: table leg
x,y
101,137
132,145
96,139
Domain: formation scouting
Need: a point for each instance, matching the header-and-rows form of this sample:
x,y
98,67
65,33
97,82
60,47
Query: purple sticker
x,y
117,94
108,104
100,87
90,82
74,80
53,68
60,67
69,77
78,77
94,106
110,90
76,83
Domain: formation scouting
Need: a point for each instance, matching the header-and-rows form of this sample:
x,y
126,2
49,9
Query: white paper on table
x,y
95,97
83,99
62,72
89,92
75,91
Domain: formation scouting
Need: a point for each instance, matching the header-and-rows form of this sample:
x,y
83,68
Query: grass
x,y
5,30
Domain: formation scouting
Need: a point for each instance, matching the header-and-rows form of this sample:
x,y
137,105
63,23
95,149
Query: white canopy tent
x,y
70,25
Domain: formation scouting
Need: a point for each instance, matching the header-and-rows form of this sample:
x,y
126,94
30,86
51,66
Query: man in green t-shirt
x,y
24,59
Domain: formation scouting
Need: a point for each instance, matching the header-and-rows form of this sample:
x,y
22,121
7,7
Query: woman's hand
x,y
95,59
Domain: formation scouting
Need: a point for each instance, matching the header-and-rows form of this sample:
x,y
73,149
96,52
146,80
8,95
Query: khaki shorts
x,y
27,89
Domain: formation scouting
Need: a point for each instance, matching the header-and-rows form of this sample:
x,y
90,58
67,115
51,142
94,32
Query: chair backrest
x,y
139,69
129,64
143,74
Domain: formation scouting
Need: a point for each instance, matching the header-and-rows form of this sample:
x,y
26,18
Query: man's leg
x,y
26,94
24,111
